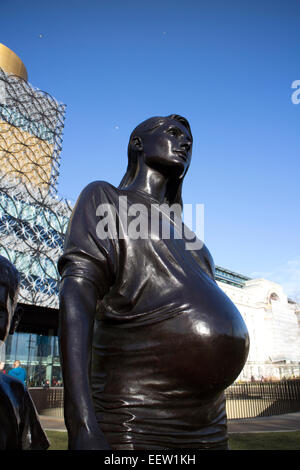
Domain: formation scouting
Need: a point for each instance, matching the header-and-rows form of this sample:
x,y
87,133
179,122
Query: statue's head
x,y
9,287
163,144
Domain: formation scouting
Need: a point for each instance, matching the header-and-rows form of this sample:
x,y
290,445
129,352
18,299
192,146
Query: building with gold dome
x,y
11,63
33,219
31,123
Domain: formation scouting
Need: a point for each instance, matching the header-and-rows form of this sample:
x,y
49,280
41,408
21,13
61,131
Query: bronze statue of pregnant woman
x,y
148,340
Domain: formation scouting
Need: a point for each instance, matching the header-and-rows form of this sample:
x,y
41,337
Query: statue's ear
x,y
18,313
137,143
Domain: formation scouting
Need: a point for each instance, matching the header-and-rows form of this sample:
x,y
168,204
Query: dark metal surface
x,y
20,428
149,342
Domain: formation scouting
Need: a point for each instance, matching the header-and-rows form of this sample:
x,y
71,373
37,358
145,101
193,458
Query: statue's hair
x,y
9,275
149,126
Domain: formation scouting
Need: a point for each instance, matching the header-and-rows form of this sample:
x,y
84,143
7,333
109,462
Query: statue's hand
x,y
87,439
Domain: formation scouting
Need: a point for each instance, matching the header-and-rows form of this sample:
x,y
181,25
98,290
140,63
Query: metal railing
x,y
243,400
253,399
48,401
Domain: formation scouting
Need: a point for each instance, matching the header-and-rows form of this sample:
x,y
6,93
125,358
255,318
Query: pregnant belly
x,y
197,353
200,351
210,344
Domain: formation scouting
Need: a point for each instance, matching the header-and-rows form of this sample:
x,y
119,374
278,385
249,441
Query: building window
x,y
39,356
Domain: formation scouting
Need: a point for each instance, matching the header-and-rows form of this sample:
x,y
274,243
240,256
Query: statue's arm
x,y
78,299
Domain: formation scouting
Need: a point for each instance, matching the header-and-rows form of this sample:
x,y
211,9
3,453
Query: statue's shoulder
x,y
99,186
96,193
99,189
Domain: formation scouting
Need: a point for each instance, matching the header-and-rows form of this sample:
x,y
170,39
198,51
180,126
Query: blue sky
x,y
227,66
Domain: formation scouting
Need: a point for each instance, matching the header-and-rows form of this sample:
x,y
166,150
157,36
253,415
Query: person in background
x,y
46,384
18,372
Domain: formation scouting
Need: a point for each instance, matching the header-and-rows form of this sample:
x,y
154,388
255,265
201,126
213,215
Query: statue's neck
x,y
150,182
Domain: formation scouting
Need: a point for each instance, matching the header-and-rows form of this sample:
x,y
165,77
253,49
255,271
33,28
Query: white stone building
x,y
273,322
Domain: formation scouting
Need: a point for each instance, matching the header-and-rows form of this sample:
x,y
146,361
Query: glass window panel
x,y
39,356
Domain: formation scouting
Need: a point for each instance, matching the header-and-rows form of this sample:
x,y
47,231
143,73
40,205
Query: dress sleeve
x,y
86,254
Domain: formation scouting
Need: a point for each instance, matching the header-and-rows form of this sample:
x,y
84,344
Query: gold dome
x,y
11,63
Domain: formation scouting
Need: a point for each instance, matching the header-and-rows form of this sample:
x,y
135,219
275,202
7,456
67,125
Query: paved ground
x,y
53,424
287,422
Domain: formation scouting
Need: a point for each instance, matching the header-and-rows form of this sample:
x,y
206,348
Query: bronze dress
x,y
167,340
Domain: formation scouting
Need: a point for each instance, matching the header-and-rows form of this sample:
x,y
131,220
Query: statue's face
x,y
168,148
6,311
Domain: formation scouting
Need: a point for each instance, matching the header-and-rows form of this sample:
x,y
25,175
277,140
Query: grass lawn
x,y
58,440
265,441
248,441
